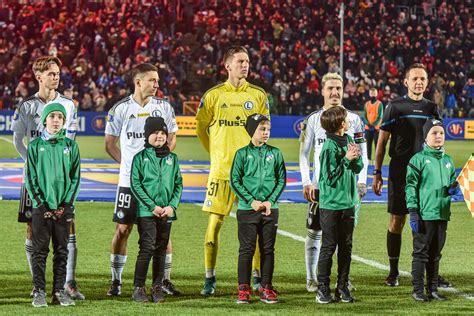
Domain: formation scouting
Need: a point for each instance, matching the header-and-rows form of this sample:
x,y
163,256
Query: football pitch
x,y
368,270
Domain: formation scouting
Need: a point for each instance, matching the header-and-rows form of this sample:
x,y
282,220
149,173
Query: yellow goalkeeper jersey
x,y
221,121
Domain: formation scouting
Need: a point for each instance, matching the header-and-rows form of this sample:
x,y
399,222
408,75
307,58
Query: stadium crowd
x,y
291,43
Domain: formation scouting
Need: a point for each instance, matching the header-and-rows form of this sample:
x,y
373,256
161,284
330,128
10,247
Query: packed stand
x,y
292,44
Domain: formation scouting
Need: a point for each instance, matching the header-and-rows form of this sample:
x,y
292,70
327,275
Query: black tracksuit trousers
x,y
250,225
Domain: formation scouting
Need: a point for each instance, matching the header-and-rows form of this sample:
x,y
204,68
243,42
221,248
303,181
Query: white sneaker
x,y
311,286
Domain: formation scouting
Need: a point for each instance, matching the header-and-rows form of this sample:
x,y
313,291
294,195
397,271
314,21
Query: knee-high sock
x,y
312,249
117,263
71,258
29,253
211,243
256,261
168,261
394,244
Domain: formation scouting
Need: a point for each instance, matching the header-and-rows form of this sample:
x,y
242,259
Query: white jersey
x,y
313,136
127,120
27,118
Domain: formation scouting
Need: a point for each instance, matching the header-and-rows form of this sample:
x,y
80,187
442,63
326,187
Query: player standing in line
x,y
402,123
125,122
221,130
313,136
27,122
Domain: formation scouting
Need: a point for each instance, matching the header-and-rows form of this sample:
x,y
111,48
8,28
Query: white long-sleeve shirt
x,y
313,136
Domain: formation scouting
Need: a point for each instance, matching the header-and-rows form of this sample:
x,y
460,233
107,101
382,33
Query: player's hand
x,y
157,211
167,211
257,205
353,152
361,190
268,208
310,193
377,184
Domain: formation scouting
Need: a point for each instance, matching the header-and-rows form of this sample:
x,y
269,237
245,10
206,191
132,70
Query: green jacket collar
x,y
437,153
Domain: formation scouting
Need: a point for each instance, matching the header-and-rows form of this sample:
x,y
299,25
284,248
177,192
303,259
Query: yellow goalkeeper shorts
x,y
219,197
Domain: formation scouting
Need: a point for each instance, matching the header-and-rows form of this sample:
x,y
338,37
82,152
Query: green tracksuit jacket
x,y
337,178
430,174
258,173
53,172
155,181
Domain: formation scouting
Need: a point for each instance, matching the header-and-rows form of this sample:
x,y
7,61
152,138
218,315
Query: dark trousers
x,y
337,227
154,235
371,136
427,246
250,225
43,231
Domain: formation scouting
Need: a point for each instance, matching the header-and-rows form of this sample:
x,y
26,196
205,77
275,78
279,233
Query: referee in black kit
x,y
402,121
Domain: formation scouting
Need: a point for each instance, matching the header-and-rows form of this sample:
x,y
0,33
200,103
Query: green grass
x,y
189,148
95,230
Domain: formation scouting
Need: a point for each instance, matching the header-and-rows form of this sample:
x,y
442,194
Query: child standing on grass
x,y
430,182
258,177
157,184
53,176
340,161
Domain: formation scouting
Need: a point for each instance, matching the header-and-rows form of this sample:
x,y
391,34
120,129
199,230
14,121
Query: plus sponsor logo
x,y
237,122
135,135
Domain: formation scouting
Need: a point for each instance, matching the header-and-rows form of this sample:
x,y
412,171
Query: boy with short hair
x,y
157,185
430,182
340,161
258,177
53,176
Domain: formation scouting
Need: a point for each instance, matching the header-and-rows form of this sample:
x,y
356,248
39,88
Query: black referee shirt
x,y
404,119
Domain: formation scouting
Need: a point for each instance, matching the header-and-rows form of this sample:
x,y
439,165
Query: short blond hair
x,y
331,76
42,63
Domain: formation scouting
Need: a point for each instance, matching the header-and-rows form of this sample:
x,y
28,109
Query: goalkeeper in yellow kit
x,y
221,130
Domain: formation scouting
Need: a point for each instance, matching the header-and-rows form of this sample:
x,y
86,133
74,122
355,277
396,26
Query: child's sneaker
x,y
139,295
168,288
268,295
157,294
39,299
343,295
324,294
243,296
62,298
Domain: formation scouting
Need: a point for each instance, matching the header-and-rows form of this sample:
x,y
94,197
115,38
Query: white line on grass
x,y
7,140
374,264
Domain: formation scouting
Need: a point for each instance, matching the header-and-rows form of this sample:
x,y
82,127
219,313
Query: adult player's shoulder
x,y
314,116
430,103
28,102
161,101
120,103
66,101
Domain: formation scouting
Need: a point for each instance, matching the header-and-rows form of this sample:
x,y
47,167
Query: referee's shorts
x,y
396,187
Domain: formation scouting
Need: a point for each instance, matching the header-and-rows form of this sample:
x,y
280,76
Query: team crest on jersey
x,y
448,165
156,113
28,214
120,214
248,105
169,160
16,115
41,149
66,151
208,203
269,157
